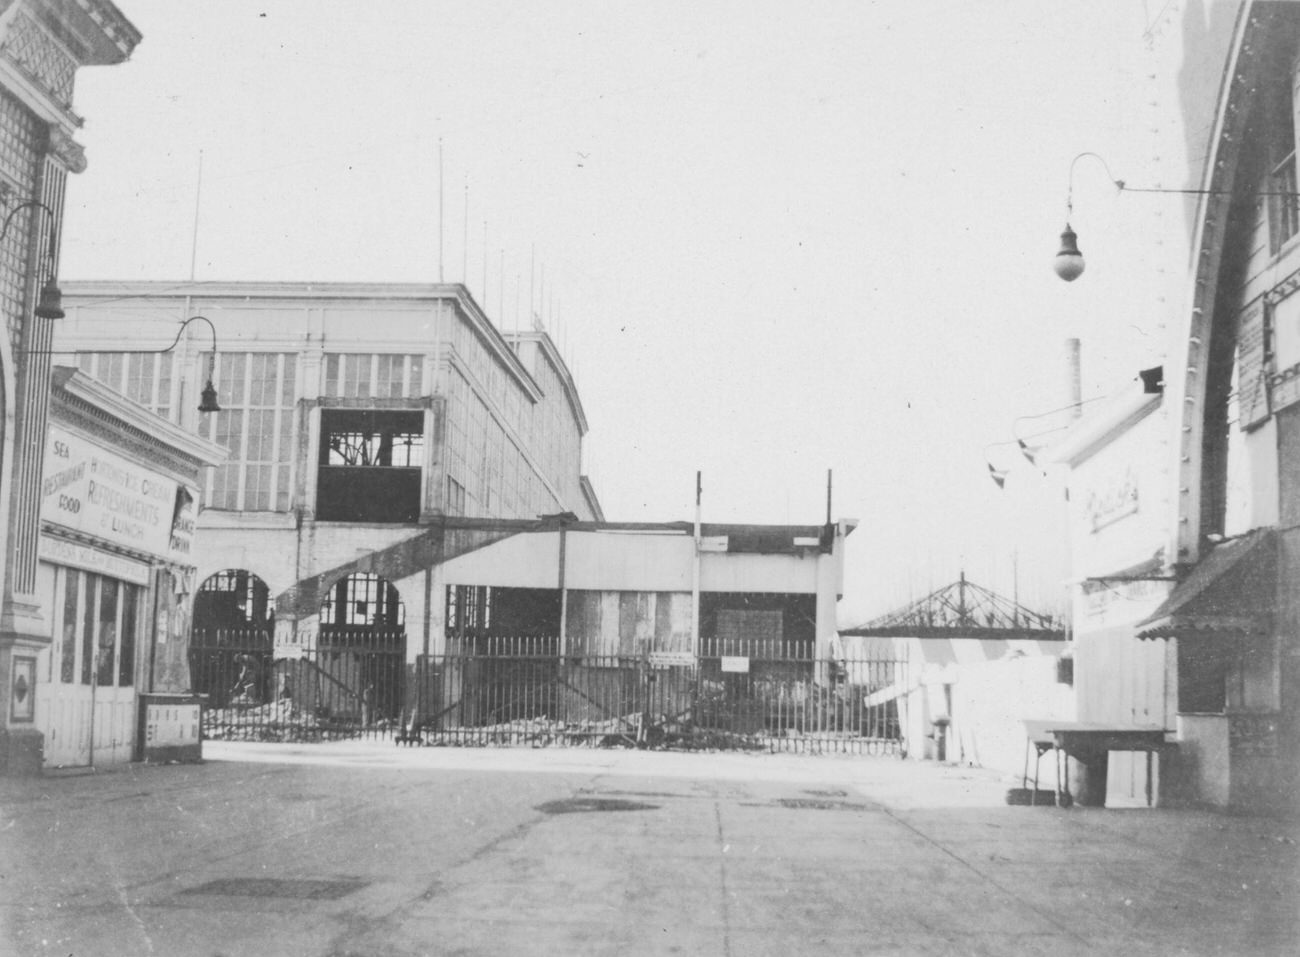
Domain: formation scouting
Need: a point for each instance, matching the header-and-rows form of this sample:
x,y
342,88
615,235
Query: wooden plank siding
x,y
628,623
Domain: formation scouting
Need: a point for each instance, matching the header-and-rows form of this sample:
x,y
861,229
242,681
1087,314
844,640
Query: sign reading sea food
x,y
101,494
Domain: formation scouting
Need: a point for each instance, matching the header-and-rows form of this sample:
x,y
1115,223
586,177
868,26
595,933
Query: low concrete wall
x,y
1199,772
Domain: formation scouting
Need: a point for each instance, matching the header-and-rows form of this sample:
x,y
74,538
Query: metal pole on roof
x,y
564,596
695,574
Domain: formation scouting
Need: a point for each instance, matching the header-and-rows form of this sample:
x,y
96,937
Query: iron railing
x,y
535,691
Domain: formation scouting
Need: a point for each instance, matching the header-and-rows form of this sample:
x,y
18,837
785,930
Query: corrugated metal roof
x,y
1229,594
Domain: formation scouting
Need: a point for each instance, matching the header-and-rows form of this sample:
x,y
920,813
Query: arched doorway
x,y
231,645
361,657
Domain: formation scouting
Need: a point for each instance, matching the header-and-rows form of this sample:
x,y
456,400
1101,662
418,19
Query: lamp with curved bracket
x,y
50,303
1069,261
208,399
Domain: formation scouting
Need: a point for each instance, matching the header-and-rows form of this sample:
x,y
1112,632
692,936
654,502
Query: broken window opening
x,y
370,465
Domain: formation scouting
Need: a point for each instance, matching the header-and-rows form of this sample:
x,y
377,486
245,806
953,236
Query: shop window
x,y
106,627
68,646
126,653
98,640
370,466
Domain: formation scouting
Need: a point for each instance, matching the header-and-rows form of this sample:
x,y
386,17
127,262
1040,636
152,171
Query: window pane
x,y
107,631
126,654
89,601
165,384
286,384
332,374
68,649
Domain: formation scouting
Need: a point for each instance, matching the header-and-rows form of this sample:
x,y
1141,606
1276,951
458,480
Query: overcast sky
x,y
772,239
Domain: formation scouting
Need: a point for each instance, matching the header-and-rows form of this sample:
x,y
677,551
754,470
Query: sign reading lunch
x,y
101,494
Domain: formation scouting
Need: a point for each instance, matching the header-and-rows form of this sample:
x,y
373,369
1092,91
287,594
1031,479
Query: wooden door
x,y
88,709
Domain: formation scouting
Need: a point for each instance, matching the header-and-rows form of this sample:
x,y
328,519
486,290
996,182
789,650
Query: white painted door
x,y
88,709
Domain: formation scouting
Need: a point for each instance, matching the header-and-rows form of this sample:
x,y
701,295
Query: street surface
x,y
369,850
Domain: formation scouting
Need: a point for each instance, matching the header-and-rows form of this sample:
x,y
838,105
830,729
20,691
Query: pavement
x,y
370,850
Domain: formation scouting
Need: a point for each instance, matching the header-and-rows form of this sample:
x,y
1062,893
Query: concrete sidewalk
x,y
346,850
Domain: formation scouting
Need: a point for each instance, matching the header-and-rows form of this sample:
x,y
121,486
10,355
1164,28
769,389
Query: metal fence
x,y
530,691
352,684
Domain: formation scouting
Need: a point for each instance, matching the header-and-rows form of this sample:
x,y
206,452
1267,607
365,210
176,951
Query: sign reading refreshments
x,y
103,495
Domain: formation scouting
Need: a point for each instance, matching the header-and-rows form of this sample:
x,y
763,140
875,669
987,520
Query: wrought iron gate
x,y
770,696
503,691
351,684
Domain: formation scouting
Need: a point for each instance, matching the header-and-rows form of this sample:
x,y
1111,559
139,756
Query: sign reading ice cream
x,y
105,496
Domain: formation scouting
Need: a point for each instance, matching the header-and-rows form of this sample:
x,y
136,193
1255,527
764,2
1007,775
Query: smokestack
x,y
1073,378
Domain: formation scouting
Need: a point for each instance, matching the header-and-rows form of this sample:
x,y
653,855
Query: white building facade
x,y
359,419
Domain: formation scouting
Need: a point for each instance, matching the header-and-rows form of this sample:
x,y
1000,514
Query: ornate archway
x,y
230,648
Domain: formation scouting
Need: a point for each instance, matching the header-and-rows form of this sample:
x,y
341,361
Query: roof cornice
x,y
245,291
547,345
167,434
1099,428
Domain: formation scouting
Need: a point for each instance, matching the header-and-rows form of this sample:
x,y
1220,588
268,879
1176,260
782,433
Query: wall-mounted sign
x,y
103,495
184,515
1104,603
56,551
735,664
1252,373
1253,735
1112,498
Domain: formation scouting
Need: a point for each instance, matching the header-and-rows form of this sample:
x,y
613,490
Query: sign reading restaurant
x,y
97,493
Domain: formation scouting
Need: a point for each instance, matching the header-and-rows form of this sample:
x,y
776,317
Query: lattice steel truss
x,y
964,609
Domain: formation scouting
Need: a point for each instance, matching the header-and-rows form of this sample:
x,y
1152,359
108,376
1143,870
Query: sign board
x,y
172,728
735,664
185,513
105,496
295,639
1252,369
671,659
72,555
1106,604
1113,497
1253,735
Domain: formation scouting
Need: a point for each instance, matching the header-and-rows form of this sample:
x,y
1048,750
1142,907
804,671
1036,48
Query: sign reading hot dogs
x,y
105,496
